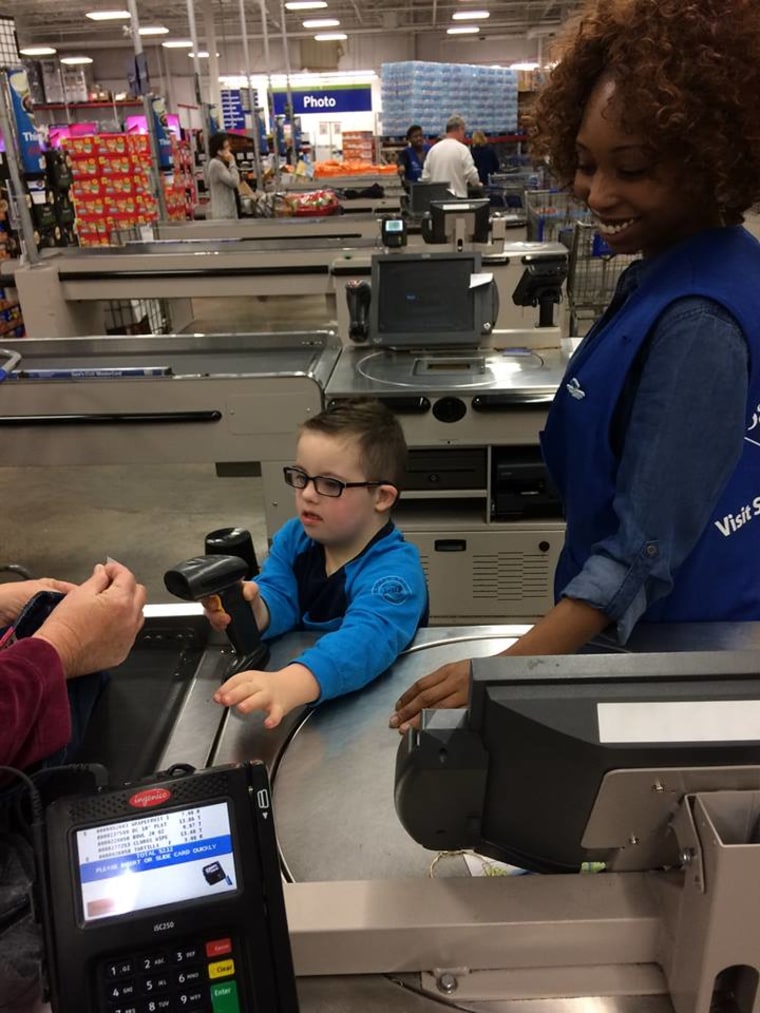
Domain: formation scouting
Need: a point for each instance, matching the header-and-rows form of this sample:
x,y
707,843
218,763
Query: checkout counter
x,y
370,929
64,295
374,927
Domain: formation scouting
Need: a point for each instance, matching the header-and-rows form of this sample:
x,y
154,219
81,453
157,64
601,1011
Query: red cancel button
x,y
149,797
218,947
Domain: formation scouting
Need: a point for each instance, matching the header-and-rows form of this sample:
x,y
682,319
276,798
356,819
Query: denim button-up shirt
x,y
691,382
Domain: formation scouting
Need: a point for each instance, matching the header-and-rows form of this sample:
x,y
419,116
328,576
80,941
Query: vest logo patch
x,y
755,438
393,590
732,522
575,390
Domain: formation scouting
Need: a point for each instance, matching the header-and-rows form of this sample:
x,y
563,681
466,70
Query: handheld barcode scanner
x,y
208,576
166,895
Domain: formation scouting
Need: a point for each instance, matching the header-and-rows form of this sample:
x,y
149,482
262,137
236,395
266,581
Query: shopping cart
x,y
551,213
506,190
593,273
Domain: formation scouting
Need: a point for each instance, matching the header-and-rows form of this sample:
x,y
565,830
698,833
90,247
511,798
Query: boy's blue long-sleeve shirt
x,y
369,609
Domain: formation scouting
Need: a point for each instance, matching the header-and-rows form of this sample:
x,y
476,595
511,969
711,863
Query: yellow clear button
x,y
221,969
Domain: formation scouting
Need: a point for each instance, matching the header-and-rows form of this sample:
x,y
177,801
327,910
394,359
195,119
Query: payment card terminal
x,y
166,896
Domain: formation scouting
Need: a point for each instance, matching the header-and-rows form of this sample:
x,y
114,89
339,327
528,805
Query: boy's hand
x,y
15,594
220,620
273,692
447,686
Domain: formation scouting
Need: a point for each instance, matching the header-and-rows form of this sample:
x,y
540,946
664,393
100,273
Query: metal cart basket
x,y
506,190
550,213
593,273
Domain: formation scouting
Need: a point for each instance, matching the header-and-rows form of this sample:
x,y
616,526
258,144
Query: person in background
x,y
411,159
653,438
484,156
340,567
222,178
93,627
450,161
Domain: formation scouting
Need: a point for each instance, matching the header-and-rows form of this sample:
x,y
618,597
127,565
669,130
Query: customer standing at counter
x,y
449,161
222,177
484,156
653,438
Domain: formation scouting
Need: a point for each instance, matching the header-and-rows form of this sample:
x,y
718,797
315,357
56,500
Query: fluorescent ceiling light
x,y
523,66
321,23
37,51
74,61
306,5
463,30
202,54
154,30
108,15
178,44
470,16
330,36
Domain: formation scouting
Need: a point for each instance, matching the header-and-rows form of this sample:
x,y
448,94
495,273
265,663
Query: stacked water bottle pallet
x,y
428,93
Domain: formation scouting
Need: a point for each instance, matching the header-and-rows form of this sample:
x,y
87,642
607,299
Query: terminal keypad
x,y
192,976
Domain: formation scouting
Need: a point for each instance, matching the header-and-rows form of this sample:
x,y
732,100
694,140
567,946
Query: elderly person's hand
x,y
95,625
15,594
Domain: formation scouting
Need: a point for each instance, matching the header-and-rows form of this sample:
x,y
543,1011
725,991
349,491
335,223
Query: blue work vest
x,y
412,163
720,578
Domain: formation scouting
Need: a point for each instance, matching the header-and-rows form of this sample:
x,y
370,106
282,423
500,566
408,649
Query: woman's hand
x,y
448,686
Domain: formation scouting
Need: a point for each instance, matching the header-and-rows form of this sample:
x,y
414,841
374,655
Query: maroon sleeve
x,y
34,706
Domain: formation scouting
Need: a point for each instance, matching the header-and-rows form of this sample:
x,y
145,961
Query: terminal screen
x,y
160,859
425,297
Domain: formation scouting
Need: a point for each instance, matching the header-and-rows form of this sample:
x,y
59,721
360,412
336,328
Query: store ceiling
x,y
62,22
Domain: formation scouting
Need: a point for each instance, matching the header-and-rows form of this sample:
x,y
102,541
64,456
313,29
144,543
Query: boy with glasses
x,y
340,567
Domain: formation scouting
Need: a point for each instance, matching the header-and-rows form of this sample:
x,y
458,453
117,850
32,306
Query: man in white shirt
x,y
449,161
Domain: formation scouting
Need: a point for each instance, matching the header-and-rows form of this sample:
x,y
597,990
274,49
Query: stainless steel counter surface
x,y
333,768
531,377
189,356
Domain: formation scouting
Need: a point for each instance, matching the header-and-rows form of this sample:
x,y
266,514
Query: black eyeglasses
x,y
325,486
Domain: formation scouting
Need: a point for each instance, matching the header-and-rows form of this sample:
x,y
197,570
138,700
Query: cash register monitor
x,y
444,215
421,194
519,777
428,300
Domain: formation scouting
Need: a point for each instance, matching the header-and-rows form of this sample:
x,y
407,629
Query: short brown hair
x,y
689,77
376,430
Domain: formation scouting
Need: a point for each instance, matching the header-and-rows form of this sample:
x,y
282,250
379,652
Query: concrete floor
x,y
58,522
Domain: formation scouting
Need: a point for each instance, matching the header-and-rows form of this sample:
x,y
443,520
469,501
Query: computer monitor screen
x,y
425,300
519,778
421,194
474,213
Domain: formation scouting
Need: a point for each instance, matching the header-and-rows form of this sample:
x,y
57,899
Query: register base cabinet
x,y
488,528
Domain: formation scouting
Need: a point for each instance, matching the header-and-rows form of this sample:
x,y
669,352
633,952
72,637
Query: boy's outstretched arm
x,y
273,692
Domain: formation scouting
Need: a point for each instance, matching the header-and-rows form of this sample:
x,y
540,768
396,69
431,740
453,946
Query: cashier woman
x,y
653,438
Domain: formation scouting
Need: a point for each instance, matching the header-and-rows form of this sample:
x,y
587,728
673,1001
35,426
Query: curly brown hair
x,y
687,73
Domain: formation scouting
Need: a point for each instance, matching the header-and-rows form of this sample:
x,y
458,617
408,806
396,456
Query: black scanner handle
x,y
242,629
358,296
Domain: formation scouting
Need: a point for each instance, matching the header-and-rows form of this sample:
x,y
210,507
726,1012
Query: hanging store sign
x,y
233,115
354,99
